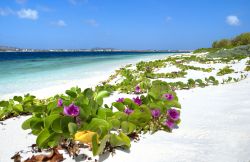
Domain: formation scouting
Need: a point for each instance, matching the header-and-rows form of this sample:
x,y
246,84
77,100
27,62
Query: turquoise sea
x,y
30,72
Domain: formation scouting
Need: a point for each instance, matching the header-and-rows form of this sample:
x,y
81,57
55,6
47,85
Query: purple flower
x,y
71,110
137,89
168,96
170,124
128,111
173,114
120,100
137,101
156,113
59,102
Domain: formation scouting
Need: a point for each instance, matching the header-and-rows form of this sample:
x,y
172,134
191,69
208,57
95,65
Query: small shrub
x,y
225,70
247,68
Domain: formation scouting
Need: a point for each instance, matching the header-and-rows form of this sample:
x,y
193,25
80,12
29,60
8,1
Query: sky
x,y
121,24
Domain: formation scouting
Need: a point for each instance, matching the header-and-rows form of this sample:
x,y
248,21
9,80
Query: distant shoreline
x,y
100,51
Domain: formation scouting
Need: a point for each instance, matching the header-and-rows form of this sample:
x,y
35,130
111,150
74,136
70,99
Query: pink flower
x,y
156,113
173,114
71,110
137,101
170,124
120,100
59,102
137,89
168,96
128,111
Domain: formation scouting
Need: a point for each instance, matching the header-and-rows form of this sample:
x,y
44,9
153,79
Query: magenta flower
x,y
120,100
168,96
137,101
71,110
170,124
173,114
59,102
137,89
128,111
156,113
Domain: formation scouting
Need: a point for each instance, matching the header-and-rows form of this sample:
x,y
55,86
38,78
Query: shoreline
x,y
83,83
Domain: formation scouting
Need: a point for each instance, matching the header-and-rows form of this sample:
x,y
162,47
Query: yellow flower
x,y
85,137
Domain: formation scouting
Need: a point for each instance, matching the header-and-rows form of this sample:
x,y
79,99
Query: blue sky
x,y
121,24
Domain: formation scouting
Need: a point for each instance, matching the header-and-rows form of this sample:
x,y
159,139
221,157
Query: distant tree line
x,y
239,40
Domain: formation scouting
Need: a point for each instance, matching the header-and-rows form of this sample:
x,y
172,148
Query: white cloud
x,y
28,14
21,1
92,22
59,23
233,20
6,11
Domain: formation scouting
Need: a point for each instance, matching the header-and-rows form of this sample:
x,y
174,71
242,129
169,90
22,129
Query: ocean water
x,y
46,74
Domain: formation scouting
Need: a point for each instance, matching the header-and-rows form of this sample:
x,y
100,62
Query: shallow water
x,y
27,72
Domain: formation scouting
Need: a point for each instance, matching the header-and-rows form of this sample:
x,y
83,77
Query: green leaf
x,y
26,123
100,126
71,93
100,96
119,106
103,144
72,128
65,120
85,112
18,98
28,98
36,124
128,101
125,139
120,115
54,140
139,118
152,94
49,120
121,140
4,103
97,150
115,123
52,105
38,109
57,110
88,93
115,140
173,103
127,127
103,113
94,145
43,138
18,108
56,125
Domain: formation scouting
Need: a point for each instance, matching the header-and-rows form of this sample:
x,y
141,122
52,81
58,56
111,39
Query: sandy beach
x,y
124,81
215,125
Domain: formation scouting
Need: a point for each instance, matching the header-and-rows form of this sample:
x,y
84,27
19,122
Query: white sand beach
x,y
215,127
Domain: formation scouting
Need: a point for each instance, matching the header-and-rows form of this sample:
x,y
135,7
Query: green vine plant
x,y
225,70
81,116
